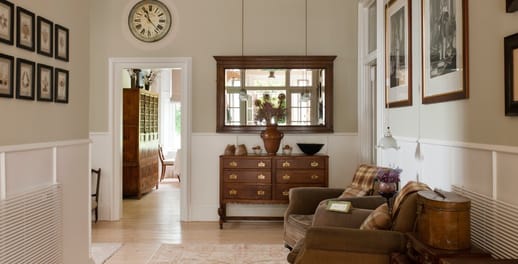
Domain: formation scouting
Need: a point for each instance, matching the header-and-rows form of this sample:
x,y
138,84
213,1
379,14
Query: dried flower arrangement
x,y
389,176
270,111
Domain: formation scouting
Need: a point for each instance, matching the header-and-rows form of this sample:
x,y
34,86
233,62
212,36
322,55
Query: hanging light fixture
x,y
271,75
388,141
243,96
306,95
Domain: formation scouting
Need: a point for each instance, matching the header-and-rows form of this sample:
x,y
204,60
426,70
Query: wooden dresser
x,y
140,142
261,179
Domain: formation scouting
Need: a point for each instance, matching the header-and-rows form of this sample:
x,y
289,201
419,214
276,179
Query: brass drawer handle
x,y
232,192
261,164
314,164
286,177
314,177
261,177
285,193
286,164
232,164
232,177
260,192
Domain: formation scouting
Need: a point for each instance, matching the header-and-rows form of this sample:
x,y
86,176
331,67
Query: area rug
x,y
103,251
220,254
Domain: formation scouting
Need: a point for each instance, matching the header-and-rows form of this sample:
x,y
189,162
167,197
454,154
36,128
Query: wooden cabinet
x,y
257,179
140,142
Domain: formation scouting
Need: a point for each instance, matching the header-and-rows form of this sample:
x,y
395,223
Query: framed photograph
x,y
511,6
6,22
44,36
511,74
61,42
398,53
6,75
24,29
45,80
25,72
445,50
60,85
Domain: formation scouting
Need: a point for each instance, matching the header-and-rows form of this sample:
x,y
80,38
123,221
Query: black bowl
x,y
310,148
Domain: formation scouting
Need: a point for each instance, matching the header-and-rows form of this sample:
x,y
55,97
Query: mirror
x,y
299,88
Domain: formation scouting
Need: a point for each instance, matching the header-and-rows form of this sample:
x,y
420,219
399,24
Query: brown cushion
x,y
296,227
363,181
379,219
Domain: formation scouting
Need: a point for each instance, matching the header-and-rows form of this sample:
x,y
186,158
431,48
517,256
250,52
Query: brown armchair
x,y
298,217
342,237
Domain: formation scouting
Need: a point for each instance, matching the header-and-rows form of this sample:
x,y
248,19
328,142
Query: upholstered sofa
x,y
364,235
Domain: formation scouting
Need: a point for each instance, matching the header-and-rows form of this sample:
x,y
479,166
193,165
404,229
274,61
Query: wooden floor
x,y
155,219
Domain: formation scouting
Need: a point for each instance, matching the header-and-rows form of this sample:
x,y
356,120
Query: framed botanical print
x,y
45,82
24,29
445,50
61,42
6,75
60,85
25,72
398,53
511,74
6,22
44,36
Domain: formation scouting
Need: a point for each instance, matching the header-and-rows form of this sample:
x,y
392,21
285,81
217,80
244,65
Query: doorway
x,y
116,69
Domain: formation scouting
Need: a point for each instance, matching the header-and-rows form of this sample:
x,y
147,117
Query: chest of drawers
x,y
260,179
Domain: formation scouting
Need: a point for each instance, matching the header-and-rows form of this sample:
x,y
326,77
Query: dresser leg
x,y
222,212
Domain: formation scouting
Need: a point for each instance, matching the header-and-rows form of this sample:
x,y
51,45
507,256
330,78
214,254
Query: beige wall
x,y
206,28
480,119
31,121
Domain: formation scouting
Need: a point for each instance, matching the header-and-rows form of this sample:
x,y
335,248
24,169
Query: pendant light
x,y
306,95
243,96
388,141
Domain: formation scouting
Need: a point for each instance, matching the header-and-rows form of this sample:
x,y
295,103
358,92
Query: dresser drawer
x,y
247,191
309,162
252,176
246,163
281,191
300,176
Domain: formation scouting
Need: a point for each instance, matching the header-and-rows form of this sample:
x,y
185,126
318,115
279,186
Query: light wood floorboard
x,y
155,219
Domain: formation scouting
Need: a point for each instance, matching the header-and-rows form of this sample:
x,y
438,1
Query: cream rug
x,y
220,254
103,251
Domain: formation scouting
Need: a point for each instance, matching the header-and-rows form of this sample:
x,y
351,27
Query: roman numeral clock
x,y
149,20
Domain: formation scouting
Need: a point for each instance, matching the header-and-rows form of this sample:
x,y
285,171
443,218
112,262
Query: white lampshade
x,y
388,141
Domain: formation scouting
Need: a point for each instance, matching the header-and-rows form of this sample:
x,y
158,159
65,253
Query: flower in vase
x,y
271,110
389,176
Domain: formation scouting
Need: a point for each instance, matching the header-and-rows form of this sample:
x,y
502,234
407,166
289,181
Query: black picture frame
x,y
511,74
61,42
511,6
25,73
6,75
45,80
7,25
61,85
45,37
25,29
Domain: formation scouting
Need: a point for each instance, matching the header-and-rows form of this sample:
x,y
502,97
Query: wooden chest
x,y
443,220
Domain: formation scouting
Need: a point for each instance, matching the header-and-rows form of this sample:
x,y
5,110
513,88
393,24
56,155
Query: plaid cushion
x,y
378,219
410,187
363,181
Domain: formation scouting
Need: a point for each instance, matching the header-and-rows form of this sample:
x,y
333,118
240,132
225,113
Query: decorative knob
x,y
232,164
285,193
314,164
286,164
232,192
314,177
261,164
232,177
286,177
261,177
260,192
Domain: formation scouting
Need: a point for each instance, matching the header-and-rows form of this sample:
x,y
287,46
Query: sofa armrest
x,y
353,219
304,200
354,240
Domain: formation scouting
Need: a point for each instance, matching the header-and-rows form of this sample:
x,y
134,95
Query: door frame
x,y
116,66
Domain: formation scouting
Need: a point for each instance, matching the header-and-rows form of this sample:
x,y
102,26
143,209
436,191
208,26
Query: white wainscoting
x,y
342,149
31,166
102,157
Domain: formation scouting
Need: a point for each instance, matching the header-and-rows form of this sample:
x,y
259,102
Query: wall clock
x,y
149,20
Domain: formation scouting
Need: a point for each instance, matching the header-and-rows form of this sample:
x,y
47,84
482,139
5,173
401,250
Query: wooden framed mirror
x,y
306,83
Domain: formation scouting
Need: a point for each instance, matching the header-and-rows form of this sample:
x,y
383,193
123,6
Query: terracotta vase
x,y
387,187
272,139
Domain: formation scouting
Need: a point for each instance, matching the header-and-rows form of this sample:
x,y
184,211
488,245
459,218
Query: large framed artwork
x,y
6,75
61,42
511,74
6,22
44,35
45,79
25,73
60,85
25,29
398,54
445,50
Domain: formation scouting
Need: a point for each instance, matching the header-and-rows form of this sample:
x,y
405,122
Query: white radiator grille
x,y
493,224
30,227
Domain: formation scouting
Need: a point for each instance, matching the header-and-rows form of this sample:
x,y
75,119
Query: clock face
x,y
149,20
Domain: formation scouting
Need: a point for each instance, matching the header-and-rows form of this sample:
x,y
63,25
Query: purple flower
x,y
389,175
